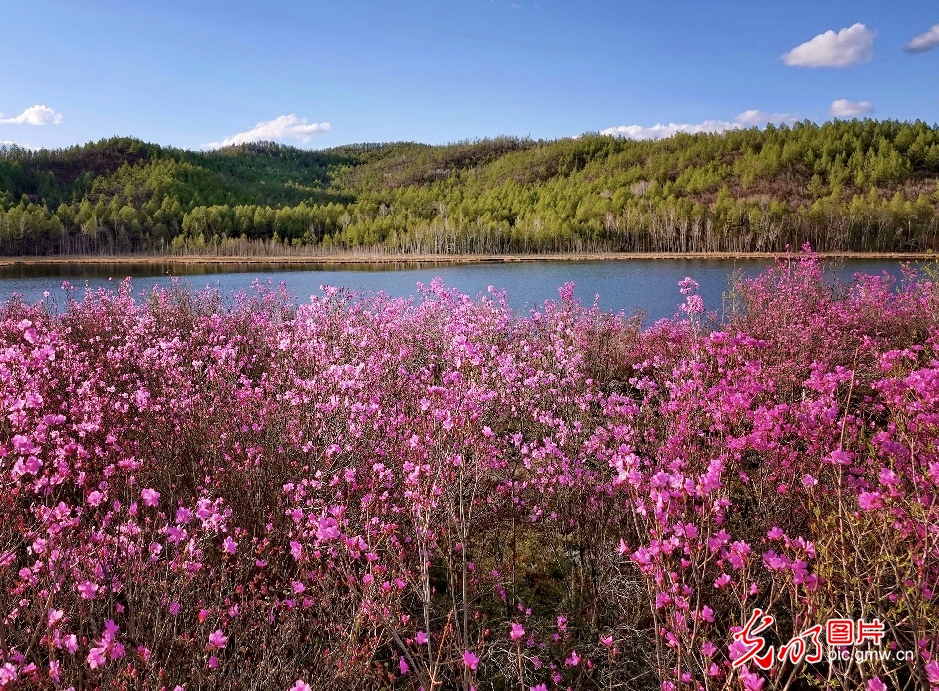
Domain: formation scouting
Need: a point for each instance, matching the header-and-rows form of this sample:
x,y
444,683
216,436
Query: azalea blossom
x,y
470,660
150,497
217,640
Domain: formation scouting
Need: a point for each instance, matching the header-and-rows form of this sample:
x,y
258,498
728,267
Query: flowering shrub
x,y
368,492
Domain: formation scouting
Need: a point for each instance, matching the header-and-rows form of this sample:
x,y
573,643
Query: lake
x,y
627,285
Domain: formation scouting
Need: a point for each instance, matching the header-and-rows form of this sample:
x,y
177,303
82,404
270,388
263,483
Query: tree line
x,y
843,185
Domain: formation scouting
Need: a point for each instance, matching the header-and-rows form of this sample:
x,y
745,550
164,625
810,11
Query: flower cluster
x,y
365,491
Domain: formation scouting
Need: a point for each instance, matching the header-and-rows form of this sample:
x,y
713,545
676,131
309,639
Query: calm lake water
x,y
650,285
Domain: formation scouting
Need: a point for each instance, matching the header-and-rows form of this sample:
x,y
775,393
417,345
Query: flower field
x,y
366,492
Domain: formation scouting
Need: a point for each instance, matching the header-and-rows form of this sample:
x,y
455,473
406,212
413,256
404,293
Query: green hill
x,y
859,185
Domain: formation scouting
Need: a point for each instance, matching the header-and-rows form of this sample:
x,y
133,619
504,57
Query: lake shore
x,y
372,258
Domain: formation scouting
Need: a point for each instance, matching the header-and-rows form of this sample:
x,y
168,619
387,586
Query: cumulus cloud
x,y
7,145
850,46
843,108
36,115
660,131
283,127
755,118
746,119
923,42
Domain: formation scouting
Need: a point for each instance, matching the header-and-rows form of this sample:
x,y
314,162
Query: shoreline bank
x,y
452,259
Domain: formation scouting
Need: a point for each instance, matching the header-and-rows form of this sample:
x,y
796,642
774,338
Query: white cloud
x,y
755,118
7,144
283,127
36,115
850,46
746,119
923,42
843,108
660,131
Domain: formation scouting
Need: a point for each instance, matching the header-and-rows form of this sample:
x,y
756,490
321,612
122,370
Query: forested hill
x,y
859,185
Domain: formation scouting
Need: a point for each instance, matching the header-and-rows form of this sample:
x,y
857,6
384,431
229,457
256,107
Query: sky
x,y
201,74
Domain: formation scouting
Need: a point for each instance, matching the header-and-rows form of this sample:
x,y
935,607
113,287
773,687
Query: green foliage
x,y
861,185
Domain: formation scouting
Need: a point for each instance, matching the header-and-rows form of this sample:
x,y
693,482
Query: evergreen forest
x,y
842,186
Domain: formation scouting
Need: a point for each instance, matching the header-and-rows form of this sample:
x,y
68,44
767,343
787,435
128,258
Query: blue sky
x,y
198,74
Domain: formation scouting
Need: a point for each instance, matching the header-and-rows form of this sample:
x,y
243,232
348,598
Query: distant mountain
x,y
858,185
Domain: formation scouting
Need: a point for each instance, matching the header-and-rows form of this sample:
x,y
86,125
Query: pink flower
x,y
573,660
96,657
539,687
721,580
229,545
70,643
751,681
300,685
688,286
736,649
693,304
470,660
403,666
517,632
869,500
841,457
150,497
421,638
296,549
887,477
934,473
932,671
217,640
213,662
606,641
876,684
